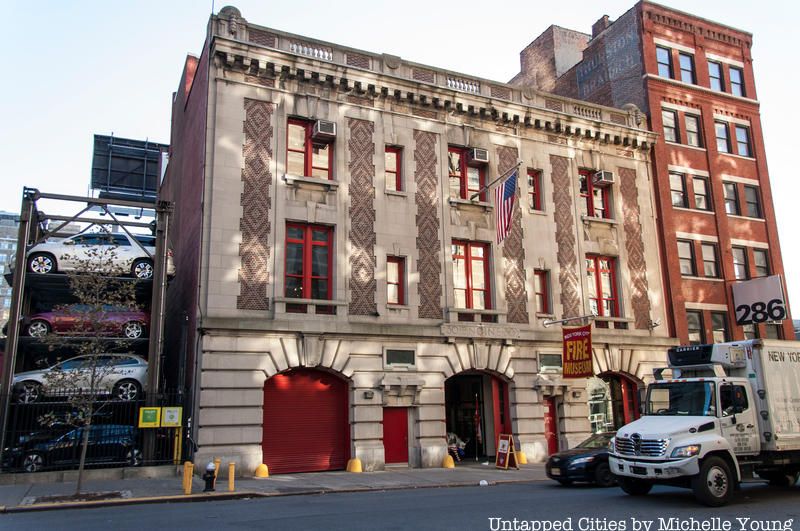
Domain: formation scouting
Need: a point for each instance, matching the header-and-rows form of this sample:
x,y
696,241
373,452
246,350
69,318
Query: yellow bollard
x,y
188,470
448,462
522,459
262,471
217,464
354,465
231,476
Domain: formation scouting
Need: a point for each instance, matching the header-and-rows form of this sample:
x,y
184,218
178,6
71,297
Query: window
x,y
743,141
773,331
602,285
761,262
664,60
393,165
686,258
687,67
694,323
550,361
710,260
471,275
737,81
399,357
465,180
595,198
719,327
752,203
677,187
308,265
731,198
723,141
541,288
701,193
670,121
715,76
535,189
395,280
693,134
304,155
739,263
750,331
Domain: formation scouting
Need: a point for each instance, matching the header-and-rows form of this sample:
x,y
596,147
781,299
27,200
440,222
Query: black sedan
x,y
586,462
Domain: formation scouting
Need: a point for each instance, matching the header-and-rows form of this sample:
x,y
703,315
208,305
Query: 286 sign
x,y
759,300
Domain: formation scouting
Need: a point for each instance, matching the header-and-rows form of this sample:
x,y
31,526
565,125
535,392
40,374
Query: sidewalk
x,y
32,497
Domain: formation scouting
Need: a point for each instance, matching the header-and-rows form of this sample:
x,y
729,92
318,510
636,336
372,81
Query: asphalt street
x,y
536,506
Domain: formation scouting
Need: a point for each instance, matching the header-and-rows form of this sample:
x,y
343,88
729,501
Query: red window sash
x,y
401,275
468,267
308,143
308,244
398,173
535,179
588,196
541,276
597,275
465,192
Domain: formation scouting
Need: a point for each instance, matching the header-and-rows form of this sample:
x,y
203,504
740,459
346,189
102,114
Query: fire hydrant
x,y
209,477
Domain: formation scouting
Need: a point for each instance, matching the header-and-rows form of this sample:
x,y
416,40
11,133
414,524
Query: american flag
x,y
504,205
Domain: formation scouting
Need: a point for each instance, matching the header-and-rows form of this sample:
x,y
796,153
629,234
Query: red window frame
x,y
535,189
308,149
470,262
541,290
593,267
400,262
395,176
462,174
588,196
308,243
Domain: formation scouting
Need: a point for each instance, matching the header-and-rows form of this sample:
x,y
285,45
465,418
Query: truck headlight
x,y
611,445
582,460
686,451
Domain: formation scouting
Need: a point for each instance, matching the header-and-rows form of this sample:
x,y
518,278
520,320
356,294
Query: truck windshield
x,y
681,398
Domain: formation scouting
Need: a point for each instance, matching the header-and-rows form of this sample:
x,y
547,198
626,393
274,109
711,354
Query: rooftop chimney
x,y
599,26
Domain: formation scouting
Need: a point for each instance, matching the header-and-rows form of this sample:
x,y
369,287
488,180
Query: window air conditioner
x,y
324,130
603,178
478,156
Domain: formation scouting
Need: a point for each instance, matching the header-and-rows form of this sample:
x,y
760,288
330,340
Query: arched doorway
x,y
613,401
305,422
477,411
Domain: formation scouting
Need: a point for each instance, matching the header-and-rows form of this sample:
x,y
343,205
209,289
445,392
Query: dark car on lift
x,y
587,462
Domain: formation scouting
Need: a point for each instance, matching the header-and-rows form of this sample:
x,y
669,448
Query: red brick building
x,y
693,79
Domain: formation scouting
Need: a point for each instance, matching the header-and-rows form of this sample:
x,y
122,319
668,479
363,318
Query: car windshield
x,y
598,440
682,399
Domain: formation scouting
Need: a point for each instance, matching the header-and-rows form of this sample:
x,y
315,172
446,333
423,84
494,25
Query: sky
x,y
76,68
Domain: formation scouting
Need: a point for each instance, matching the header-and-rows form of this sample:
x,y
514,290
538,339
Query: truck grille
x,y
635,445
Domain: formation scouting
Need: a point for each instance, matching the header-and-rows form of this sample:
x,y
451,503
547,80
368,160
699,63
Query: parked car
x,y
586,462
83,319
131,254
124,377
108,443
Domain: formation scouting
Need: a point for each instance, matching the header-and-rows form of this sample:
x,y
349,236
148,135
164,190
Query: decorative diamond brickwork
x,y
256,202
554,105
634,245
513,251
263,81
362,218
501,92
421,74
429,265
617,118
357,59
262,37
565,237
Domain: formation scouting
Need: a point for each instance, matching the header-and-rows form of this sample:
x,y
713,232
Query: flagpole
x,y
504,174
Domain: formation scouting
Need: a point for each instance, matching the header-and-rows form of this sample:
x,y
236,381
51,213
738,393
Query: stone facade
x,y
422,110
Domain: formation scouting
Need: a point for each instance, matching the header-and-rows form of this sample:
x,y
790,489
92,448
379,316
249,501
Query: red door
x,y
550,425
501,409
305,422
395,434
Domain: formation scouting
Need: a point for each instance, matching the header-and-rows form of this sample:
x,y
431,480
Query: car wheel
x,y
38,328
133,457
714,484
42,263
565,482
635,487
142,269
603,476
33,462
28,392
133,330
127,390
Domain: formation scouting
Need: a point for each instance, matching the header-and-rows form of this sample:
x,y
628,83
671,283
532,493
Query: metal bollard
x,y
231,476
217,467
188,470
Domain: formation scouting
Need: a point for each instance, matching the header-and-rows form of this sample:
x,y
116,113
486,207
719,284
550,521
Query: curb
x,y
223,496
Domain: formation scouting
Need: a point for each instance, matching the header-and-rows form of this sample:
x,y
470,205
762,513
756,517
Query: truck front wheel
x,y
634,487
714,485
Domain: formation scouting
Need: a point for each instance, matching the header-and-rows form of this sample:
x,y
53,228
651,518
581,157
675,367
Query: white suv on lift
x,y
130,253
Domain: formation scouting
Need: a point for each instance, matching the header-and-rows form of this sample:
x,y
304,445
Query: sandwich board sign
x,y
505,452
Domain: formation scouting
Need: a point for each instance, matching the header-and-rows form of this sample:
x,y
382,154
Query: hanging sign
x,y
759,300
577,356
505,452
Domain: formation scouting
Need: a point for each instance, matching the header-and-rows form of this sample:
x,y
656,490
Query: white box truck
x,y
728,413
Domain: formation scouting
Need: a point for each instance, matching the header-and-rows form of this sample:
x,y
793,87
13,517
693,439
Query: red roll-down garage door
x,y
305,422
